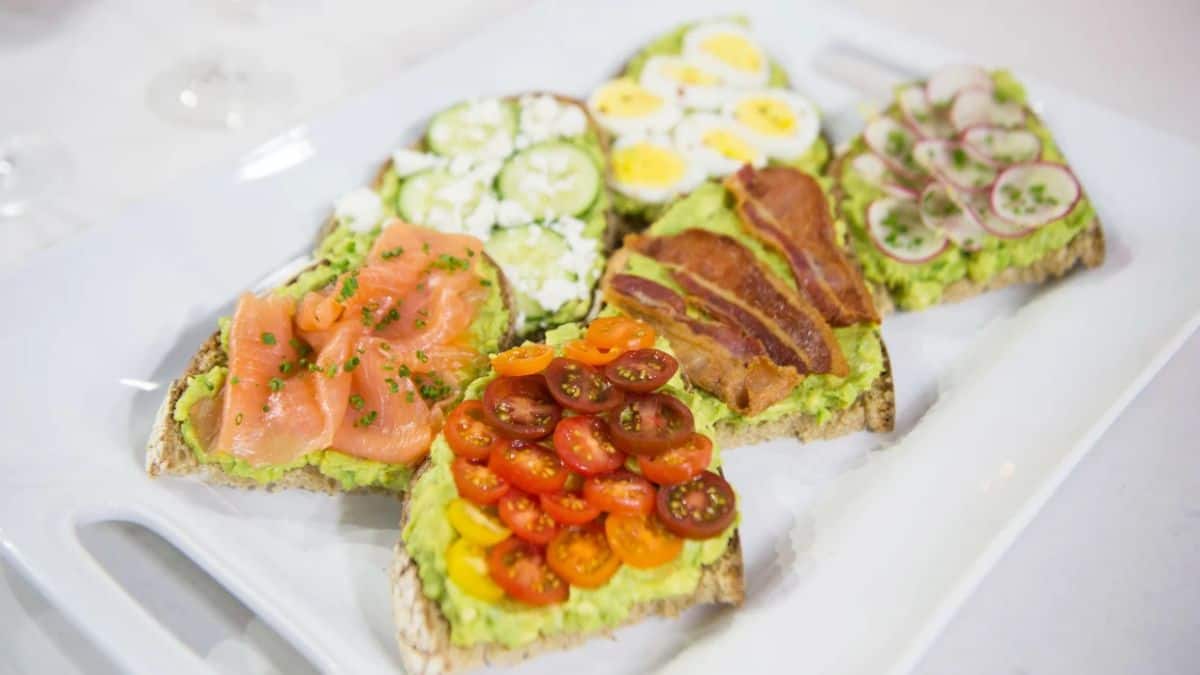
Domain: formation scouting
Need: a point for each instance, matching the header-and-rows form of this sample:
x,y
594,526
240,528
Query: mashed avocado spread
x,y
711,207
813,160
921,285
428,534
342,250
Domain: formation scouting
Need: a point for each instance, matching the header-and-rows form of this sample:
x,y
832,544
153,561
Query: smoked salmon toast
x,y
340,379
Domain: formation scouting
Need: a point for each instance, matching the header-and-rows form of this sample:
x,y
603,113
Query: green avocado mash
x,y
711,207
917,286
813,160
472,621
341,251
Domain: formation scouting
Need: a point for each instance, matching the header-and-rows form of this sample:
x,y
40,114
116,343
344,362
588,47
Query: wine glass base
x,y
226,90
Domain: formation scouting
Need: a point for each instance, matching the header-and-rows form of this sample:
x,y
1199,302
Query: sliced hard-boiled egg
x,y
685,82
728,50
623,106
781,123
651,169
717,145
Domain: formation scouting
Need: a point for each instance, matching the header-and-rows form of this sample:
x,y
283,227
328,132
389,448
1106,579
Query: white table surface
x,y
1104,579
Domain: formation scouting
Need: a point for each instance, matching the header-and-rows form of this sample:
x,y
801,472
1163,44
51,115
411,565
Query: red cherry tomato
x,y
520,568
698,509
469,434
581,387
620,492
642,370
520,407
648,424
529,467
584,444
477,483
679,464
522,514
569,508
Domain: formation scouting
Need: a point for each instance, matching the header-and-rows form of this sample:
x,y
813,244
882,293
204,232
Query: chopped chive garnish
x,y
268,338
356,401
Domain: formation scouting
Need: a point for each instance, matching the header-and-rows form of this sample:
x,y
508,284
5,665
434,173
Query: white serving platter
x,y
855,558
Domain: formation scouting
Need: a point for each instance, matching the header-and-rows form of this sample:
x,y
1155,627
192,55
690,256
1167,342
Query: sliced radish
x,y
920,115
1033,194
943,85
896,229
974,107
876,172
940,212
1001,146
952,163
979,205
893,142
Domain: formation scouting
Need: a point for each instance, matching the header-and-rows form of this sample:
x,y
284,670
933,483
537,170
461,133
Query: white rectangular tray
x,y
854,558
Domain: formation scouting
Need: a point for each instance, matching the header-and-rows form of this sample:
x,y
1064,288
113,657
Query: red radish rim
x,y
945,177
962,138
909,119
975,215
892,163
906,261
991,86
954,102
899,191
968,213
1054,165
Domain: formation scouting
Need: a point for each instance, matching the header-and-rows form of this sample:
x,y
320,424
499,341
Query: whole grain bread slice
x,y
423,634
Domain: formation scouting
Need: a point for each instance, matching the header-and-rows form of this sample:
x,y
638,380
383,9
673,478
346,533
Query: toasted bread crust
x,y
423,634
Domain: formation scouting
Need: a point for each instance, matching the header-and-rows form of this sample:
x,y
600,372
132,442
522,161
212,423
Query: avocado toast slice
x,y
358,391
457,610
524,174
694,105
958,188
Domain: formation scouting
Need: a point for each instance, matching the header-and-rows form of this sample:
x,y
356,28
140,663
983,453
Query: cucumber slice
x,y
486,128
551,179
443,201
535,260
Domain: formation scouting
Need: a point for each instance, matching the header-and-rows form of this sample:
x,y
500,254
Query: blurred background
x,y
105,102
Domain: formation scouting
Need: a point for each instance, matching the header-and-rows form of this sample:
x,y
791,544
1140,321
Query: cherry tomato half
x,y
523,360
529,467
520,407
520,569
620,332
698,509
580,387
649,424
584,444
620,492
582,556
642,370
469,434
582,350
569,508
641,541
525,517
477,483
680,463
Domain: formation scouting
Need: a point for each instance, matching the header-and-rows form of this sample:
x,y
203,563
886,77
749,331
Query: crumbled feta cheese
x,y
480,221
511,214
543,117
460,165
406,162
360,209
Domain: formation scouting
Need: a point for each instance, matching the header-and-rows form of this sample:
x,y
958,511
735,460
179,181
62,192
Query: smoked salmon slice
x,y
364,366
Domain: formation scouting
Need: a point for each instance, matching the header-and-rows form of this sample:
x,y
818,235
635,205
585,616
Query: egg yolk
x,y
647,164
729,145
767,116
626,98
735,50
686,73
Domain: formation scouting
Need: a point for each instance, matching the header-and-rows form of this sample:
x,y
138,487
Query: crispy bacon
x,y
787,209
727,279
716,356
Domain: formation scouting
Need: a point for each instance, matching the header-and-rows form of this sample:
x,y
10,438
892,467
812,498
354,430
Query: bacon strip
x,y
716,356
787,210
728,280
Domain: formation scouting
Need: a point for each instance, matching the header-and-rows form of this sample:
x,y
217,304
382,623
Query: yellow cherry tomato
x,y
523,360
475,524
467,566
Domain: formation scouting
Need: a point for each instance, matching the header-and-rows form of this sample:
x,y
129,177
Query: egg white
x,y
690,177
660,117
790,144
690,137
661,75
694,49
